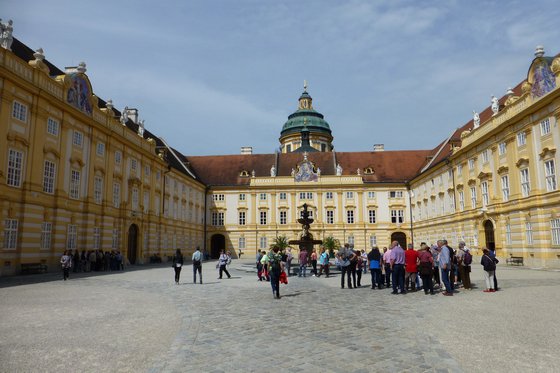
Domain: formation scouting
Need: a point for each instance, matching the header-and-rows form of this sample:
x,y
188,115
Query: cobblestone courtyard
x,y
140,321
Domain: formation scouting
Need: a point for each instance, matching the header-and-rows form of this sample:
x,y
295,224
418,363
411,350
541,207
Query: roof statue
x,y
338,170
358,172
272,171
6,31
495,105
476,119
141,128
124,116
318,171
305,85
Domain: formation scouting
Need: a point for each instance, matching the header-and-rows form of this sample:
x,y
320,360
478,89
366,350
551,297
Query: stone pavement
x,y
140,321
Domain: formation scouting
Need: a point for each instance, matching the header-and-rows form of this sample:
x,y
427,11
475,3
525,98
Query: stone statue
x,y
253,173
476,119
495,105
141,128
358,172
124,116
6,38
318,171
272,171
293,172
338,170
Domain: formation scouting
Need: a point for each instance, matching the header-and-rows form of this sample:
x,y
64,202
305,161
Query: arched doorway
x,y
132,243
400,237
217,244
489,233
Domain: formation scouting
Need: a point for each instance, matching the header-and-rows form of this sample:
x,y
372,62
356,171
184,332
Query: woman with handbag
x,y
177,265
489,265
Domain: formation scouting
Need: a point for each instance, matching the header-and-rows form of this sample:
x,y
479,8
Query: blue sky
x,y
212,76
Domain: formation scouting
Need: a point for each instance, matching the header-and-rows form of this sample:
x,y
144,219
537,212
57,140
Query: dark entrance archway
x,y
217,244
132,243
489,233
400,237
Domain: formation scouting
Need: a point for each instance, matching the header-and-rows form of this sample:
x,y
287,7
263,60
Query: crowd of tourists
x,y
91,260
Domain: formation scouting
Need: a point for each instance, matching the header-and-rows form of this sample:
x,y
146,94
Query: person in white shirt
x,y
197,264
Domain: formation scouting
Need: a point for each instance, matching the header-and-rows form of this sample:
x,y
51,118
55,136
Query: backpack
x,y
467,259
452,258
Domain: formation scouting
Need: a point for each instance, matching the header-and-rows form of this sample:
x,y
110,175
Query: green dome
x,y
305,116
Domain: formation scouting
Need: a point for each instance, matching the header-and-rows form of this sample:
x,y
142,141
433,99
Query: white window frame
x,y
116,239
242,196
485,193
98,189
77,139
502,148
263,217
473,197
118,157
397,216
19,111
484,155
46,235
146,201
521,139
283,219
72,237
53,126
241,243
471,164
15,168
508,234
282,196
459,169
370,195
505,188
545,126
49,176
525,182
349,195
74,190
372,216
330,217
10,234
116,195
529,233
263,243
262,197
550,175
135,199
242,218
462,200
451,196
555,231
329,195
218,197
96,238
217,218
372,240
100,149
350,216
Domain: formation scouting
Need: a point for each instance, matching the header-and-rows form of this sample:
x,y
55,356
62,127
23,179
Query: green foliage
x,y
281,242
331,244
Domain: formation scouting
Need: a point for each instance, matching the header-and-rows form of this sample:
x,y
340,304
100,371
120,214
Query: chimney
x,y
378,147
247,150
133,115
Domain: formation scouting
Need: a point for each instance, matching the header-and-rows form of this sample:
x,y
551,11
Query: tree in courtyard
x,y
331,244
281,242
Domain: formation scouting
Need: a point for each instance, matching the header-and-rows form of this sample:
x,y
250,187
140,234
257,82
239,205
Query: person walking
x,y
259,265
345,255
177,265
464,260
489,266
276,268
426,268
492,254
302,262
289,258
324,263
197,264
66,263
374,259
386,261
265,263
223,262
314,262
445,266
397,267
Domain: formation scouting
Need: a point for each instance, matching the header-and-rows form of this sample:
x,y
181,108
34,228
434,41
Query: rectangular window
x,y
75,184
372,217
521,139
505,188
508,234
146,202
471,164
351,240
329,195
116,195
330,216
370,195
462,201
283,217
19,111
451,201
262,196
525,183
98,189
550,173
116,238
484,192
396,193
133,164
218,197
100,150
350,216
48,177
15,166
555,230
242,243
217,218
157,206
118,157
242,197
96,238
529,233
502,147
72,237
459,169
46,235
10,233
282,196
545,127
349,195
473,197
263,243
485,156
302,195
52,127
135,199
148,171
372,241
263,220
242,218
78,139
397,216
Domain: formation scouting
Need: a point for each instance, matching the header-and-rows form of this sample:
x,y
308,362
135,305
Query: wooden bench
x,y
514,260
27,268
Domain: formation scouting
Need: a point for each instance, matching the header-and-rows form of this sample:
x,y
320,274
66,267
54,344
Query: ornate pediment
x,y
547,153
541,77
79,92
305,171
522,162
503,170
484,175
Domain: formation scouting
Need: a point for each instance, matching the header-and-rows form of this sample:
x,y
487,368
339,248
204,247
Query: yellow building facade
x,y
77,174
